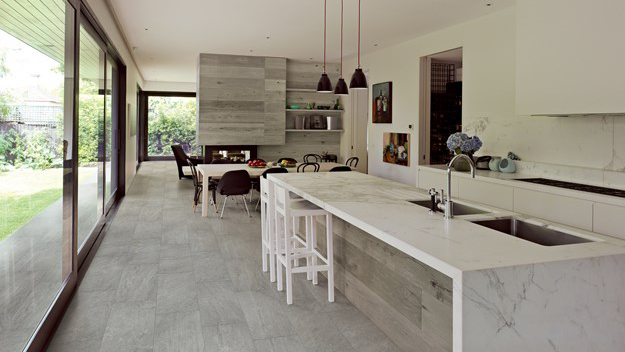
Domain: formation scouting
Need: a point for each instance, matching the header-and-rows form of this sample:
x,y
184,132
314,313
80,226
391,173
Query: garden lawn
x,y
17,211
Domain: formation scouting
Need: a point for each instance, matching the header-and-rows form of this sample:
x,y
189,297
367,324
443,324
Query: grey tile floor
x,y
166,279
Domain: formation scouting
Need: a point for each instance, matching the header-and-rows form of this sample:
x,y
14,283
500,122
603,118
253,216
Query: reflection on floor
x,y
166,279
30,269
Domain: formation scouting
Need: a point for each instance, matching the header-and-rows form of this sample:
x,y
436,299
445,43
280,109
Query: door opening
x,y
441,105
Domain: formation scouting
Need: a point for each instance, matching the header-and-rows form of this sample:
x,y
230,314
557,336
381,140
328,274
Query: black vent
x,y
576,186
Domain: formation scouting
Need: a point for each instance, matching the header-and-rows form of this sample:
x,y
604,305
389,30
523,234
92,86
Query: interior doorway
x,y
441,105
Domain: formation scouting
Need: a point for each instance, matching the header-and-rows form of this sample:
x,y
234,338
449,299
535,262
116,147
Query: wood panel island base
x,y
451,285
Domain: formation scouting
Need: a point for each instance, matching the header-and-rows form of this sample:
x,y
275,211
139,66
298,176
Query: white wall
x,y
489,74
133,77
169,86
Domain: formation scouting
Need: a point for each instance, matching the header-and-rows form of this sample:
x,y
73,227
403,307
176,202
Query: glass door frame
x,y
75,264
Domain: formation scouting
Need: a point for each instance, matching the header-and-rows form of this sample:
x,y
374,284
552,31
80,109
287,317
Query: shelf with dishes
x,y
318,110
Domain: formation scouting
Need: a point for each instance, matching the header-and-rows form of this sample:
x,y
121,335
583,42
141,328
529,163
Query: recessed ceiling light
x,y
375,45
145,29
268,37
251,51
489,4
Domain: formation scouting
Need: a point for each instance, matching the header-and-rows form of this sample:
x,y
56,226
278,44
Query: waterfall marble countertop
x,y
380,207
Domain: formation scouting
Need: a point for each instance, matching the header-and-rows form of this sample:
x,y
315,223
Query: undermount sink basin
x,y
459,209
538,234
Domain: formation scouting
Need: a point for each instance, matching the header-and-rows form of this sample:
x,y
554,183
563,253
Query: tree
x,y
171,121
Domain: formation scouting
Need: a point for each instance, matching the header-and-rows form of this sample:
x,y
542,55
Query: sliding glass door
x,y
60,156
36,134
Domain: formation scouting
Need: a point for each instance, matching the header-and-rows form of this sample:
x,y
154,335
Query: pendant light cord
x,y
341,39
358,33
325,14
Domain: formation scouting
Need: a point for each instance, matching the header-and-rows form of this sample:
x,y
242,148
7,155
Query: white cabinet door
x,y
570,57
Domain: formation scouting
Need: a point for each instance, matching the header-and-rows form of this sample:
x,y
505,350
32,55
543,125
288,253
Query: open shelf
x,y
316,131
315,110
304,90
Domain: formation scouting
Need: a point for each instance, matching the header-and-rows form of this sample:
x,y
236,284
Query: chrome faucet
x,y
447,204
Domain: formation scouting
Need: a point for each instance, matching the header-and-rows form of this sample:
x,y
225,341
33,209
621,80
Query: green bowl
x,y
294,107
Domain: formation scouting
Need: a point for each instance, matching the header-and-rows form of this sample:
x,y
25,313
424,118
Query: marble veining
x,y
569,306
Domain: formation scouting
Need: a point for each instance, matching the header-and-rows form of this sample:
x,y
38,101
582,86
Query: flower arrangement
x,y
461,143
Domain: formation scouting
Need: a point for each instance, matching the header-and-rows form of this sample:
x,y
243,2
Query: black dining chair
x,y
302,167
291,160
199,185
181,160
353,161
312,158
273,170
340,168
234,183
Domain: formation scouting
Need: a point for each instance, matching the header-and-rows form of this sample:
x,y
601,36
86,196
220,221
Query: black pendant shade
x,y
341,87
359,81
324,85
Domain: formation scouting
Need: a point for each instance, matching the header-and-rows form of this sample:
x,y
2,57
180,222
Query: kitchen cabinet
x,y
570,57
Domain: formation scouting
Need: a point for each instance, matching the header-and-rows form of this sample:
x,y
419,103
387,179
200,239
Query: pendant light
x,y
324,85
341,86
359,81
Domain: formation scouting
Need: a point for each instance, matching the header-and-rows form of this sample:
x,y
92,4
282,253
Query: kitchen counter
x,y
379,207
508,294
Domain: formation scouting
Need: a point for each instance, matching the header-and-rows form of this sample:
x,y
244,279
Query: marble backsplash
x,y
585,149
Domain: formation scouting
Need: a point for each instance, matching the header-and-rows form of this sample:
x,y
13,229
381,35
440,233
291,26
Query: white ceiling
x,y
177,31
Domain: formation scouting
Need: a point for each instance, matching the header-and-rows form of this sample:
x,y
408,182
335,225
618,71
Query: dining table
x,y
216,171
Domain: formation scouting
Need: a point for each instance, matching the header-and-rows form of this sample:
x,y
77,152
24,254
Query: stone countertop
x,y
510,180
379,207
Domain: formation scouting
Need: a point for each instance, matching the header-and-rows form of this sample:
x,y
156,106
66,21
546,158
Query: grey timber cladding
x,y
241,100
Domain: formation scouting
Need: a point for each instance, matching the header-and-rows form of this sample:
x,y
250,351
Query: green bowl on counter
x,y
294,107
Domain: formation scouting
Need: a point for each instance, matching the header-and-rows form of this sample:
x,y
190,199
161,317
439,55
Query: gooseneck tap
x,y
448,204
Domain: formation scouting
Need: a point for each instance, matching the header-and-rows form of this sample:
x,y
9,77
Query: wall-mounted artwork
x,y
383,102
396,148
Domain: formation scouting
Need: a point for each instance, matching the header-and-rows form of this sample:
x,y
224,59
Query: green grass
x,y
17,211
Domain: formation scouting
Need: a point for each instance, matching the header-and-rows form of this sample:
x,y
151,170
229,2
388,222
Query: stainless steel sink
x,y
458,209
538,234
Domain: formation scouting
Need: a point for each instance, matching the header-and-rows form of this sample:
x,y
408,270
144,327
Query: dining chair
x,y
181,160
256,185
302,167
312,158
291,160
353,161
199,186
234,183
340,168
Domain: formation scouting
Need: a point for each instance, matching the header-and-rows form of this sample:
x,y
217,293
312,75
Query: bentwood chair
x,y
199,186
340,168
181,160
234,183
312,158
302,167
353,161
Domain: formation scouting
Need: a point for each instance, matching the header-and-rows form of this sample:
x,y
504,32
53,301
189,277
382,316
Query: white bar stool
x,y
268,228
290,247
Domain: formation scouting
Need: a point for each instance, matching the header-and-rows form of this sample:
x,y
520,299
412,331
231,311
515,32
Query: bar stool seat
x,y
290,247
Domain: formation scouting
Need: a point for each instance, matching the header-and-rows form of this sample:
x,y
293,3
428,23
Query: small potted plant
x,y
461,143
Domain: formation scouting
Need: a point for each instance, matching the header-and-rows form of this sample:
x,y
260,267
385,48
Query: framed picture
x,y
396,148
383,102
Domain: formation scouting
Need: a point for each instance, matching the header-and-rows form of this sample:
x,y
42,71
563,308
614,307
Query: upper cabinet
x,y
570,57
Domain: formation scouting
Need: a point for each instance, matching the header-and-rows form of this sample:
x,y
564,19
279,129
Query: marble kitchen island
x,y
440,285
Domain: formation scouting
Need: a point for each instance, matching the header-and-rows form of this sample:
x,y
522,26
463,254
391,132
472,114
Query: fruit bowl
x,y
257,166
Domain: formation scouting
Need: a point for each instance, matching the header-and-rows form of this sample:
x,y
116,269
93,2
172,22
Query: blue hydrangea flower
x,y
456,141
472,145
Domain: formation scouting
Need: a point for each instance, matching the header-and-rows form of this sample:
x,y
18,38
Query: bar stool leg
x,y
278,252
271,240
330,257
264,235
313,245
288,261
308,246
